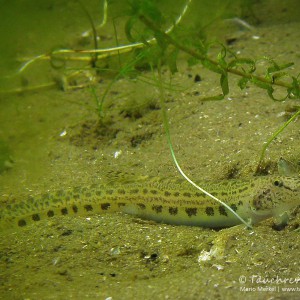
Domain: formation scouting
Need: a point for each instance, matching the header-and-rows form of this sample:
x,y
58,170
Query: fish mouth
x,y
278,213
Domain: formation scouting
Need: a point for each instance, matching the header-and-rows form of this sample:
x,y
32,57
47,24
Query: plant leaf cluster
x,y
226,63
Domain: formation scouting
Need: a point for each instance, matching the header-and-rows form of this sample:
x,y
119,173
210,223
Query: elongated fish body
x,y
172,201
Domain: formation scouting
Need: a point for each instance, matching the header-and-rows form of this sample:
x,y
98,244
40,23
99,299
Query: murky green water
x,y
54,139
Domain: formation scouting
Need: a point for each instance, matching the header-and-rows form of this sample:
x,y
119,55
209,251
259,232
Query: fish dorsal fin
x,y
287,168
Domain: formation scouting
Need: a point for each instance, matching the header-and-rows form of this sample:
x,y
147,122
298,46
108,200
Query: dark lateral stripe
x,y
21,223
191,211
233,207
209,211
36,217
121,191
173,211
222,211
186,194
141,205
157,208
50,213
105,206
88,207
64,211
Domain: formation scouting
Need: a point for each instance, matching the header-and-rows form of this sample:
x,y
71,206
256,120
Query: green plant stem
x,y
167,131
274,135
94,60
204,58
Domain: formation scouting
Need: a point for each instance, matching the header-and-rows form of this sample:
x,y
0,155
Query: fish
x,y
165,200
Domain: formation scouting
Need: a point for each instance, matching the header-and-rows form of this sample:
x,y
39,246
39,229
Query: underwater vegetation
x,y
156,34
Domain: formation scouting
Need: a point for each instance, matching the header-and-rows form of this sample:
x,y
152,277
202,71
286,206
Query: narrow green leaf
x,y
276,67
261,84
128,26
294,90
213,98
243,61
221,58
224,84
278,75
161,41
211,66
172,61
242,83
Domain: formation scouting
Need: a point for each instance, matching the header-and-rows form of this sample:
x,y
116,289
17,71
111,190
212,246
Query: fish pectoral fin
x,y
281,220
287,168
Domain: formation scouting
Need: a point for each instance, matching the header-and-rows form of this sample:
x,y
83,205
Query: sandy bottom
x,y
56,142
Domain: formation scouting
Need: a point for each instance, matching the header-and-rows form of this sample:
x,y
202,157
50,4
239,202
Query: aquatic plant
x,y
154,36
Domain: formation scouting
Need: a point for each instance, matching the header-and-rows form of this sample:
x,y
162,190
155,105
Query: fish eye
x,y
278,183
